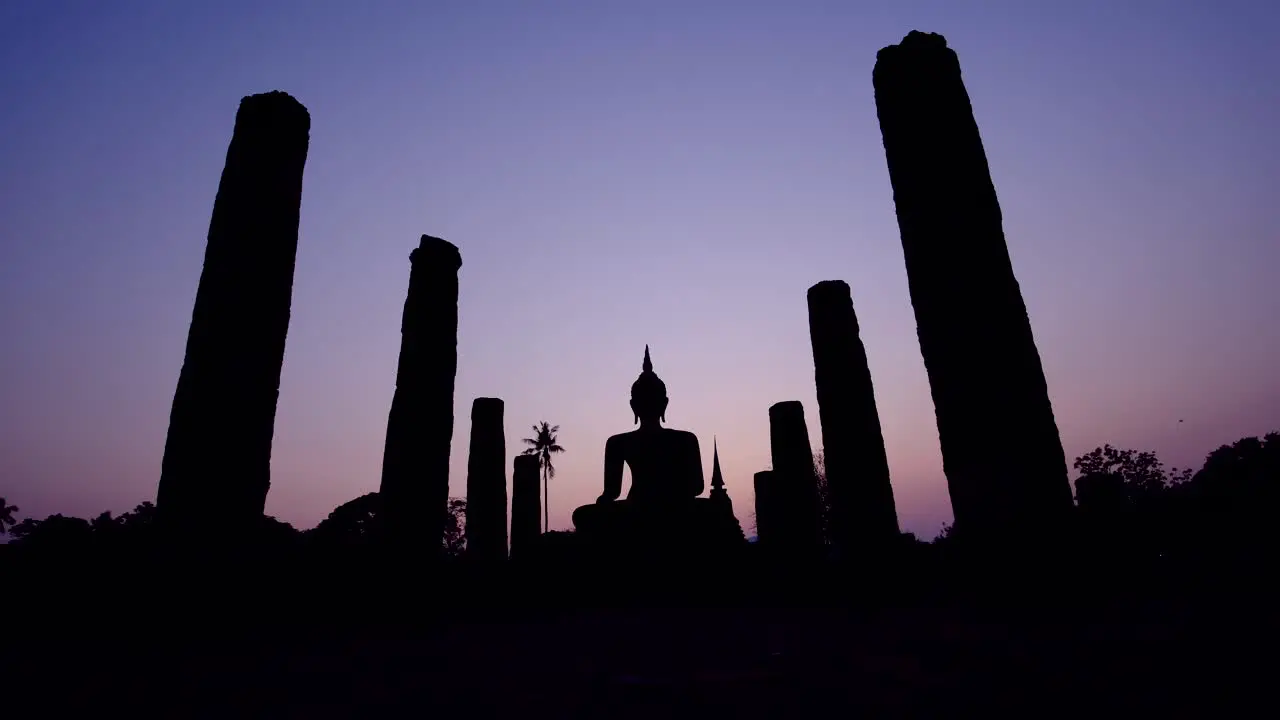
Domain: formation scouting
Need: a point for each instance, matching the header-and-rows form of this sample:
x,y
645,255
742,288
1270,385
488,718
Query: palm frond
x,y
555,449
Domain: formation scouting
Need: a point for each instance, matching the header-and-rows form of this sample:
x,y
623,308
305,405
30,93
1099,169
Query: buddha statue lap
x,y
662,508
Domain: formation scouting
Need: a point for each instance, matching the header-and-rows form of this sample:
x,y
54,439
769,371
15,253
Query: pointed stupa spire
x,y
648,364
717,479
719,494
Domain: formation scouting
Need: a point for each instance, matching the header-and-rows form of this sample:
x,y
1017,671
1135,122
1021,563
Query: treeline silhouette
x,y
1133,515
1132,510
351,526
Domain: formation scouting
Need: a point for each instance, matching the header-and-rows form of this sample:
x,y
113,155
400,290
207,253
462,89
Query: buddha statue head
x,y
648,393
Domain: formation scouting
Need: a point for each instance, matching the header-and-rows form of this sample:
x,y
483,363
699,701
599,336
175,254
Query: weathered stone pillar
x,y
862,513
766,509
795,484
526,505
1005,467
415,463
487,483
217,456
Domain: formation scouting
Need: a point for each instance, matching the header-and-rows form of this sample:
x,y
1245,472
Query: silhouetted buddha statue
x,y
666,464
666,479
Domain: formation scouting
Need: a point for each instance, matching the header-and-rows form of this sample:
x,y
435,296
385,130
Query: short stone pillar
x,y
766,509
415,463
796,484
526,505
487,483
217,456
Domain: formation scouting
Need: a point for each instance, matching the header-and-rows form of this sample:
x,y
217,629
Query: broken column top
x,y
483,405
436,250
786,408
916,43
274,104
830,288
916,40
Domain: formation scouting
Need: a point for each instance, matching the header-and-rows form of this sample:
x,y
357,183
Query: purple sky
x,y
616,174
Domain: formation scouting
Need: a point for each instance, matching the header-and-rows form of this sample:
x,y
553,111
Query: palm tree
x,y
6,515
543,444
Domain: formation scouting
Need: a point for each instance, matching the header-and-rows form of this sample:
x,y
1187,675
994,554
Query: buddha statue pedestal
x,y
668,532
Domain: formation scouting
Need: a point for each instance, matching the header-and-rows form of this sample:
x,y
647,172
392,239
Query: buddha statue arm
x,y
612,471
694,480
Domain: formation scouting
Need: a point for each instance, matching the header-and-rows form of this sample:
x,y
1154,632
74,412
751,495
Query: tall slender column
x,y
217,456
1003,458
863,515
487,483
415,463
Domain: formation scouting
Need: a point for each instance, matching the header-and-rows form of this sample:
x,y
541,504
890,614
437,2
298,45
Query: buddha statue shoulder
x,y
666,464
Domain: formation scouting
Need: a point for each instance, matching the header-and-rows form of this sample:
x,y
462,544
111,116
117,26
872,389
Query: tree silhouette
x,y
353,524
6,515
56,531
455,536
142,516
104,523
945,534
543,444
1132,508
1131,475
1120,503
273,532
824,495
1229,506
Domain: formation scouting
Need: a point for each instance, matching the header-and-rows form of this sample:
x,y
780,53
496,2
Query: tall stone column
x,y
487,483
795,483
1003,458
217,456
415,462
862,514
526,505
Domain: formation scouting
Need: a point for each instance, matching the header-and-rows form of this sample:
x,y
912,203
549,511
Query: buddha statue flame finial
x,y
648,390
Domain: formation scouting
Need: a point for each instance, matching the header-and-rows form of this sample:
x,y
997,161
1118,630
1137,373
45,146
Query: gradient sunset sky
x,y
675,173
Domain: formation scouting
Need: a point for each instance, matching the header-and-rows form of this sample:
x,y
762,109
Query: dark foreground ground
x,y
541,647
